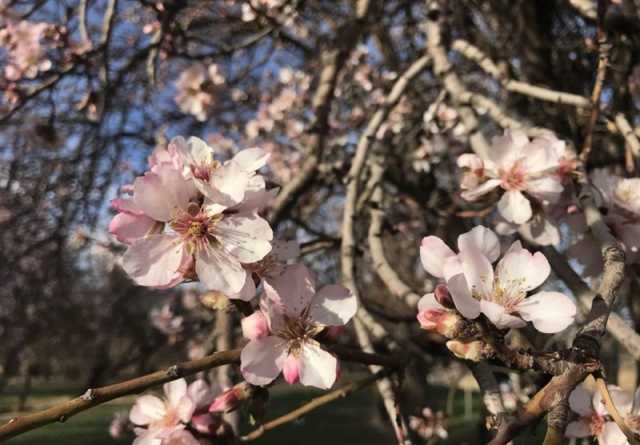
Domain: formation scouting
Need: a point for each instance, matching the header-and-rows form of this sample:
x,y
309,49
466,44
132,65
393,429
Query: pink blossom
x,y
433,316
500,295
231,399
429,425
270,266
296,313
198,234
522,168
130,223
193,93
161,417
593,416
26,54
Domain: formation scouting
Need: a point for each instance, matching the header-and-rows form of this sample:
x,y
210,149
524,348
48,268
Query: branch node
x,y
173,371
88,395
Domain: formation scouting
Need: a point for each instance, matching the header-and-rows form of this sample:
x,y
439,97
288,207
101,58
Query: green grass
x,y
357,419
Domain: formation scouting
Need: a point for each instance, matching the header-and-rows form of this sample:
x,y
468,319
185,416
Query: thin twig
x,y
613,411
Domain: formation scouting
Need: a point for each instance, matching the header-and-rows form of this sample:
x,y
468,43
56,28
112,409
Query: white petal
x,y
523,269
146,410
482,189
515,207
200,393
219,270
499,316
433,253
541,231
477,271
507,149
580,401
482,239
578,428
612,435
317,366
247,292
548,188
154,260
175,390
550,312
251,159
622,399
468,306
198,152
428,301
333,305
293,290
247,237
227,185
261,360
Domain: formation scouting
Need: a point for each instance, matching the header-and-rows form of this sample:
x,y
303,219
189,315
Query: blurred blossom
x,y
23,43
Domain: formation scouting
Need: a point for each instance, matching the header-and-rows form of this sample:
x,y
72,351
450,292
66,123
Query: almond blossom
x,y
26,54
500,295
294,313
594,419
194,95
157,418
194,220
524,169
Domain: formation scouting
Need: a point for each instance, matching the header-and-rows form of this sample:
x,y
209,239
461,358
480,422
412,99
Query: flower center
x,y
596,424
514,178
203,171
196,228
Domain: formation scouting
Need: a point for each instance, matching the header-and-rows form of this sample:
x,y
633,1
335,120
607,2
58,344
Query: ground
x,y
353,420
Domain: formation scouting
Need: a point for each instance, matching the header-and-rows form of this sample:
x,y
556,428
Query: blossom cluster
x,y
593,420
26,54
500,293
193,217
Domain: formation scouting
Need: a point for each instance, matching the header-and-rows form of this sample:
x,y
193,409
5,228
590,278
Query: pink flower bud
x,y
230,399
443,296
255,326
291,369
444,322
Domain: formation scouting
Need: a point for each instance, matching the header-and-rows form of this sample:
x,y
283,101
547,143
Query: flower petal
x,y
175,391
550,312
247,237
428,301
146,410
154,260
523,269
578,428
515,207
227,185
498,315
159,194
261,360
612,435
433,253
460,292
251,159
317,366
580,401
255,326
219,270
127,227
482,239
333,305
293,290
482,189
477,271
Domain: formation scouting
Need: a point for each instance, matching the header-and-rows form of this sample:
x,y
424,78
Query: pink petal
x,y
219,270
247,237
159,194
433,253
180,437
200,393
247,292
317,366
293,290
478,272
482,239
578,428
261,360
154,260
185,409
580,401
291,369
499,316
550,312
515,207
126,205
255,326
333,305
146,410
127,227
227,185
468,306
